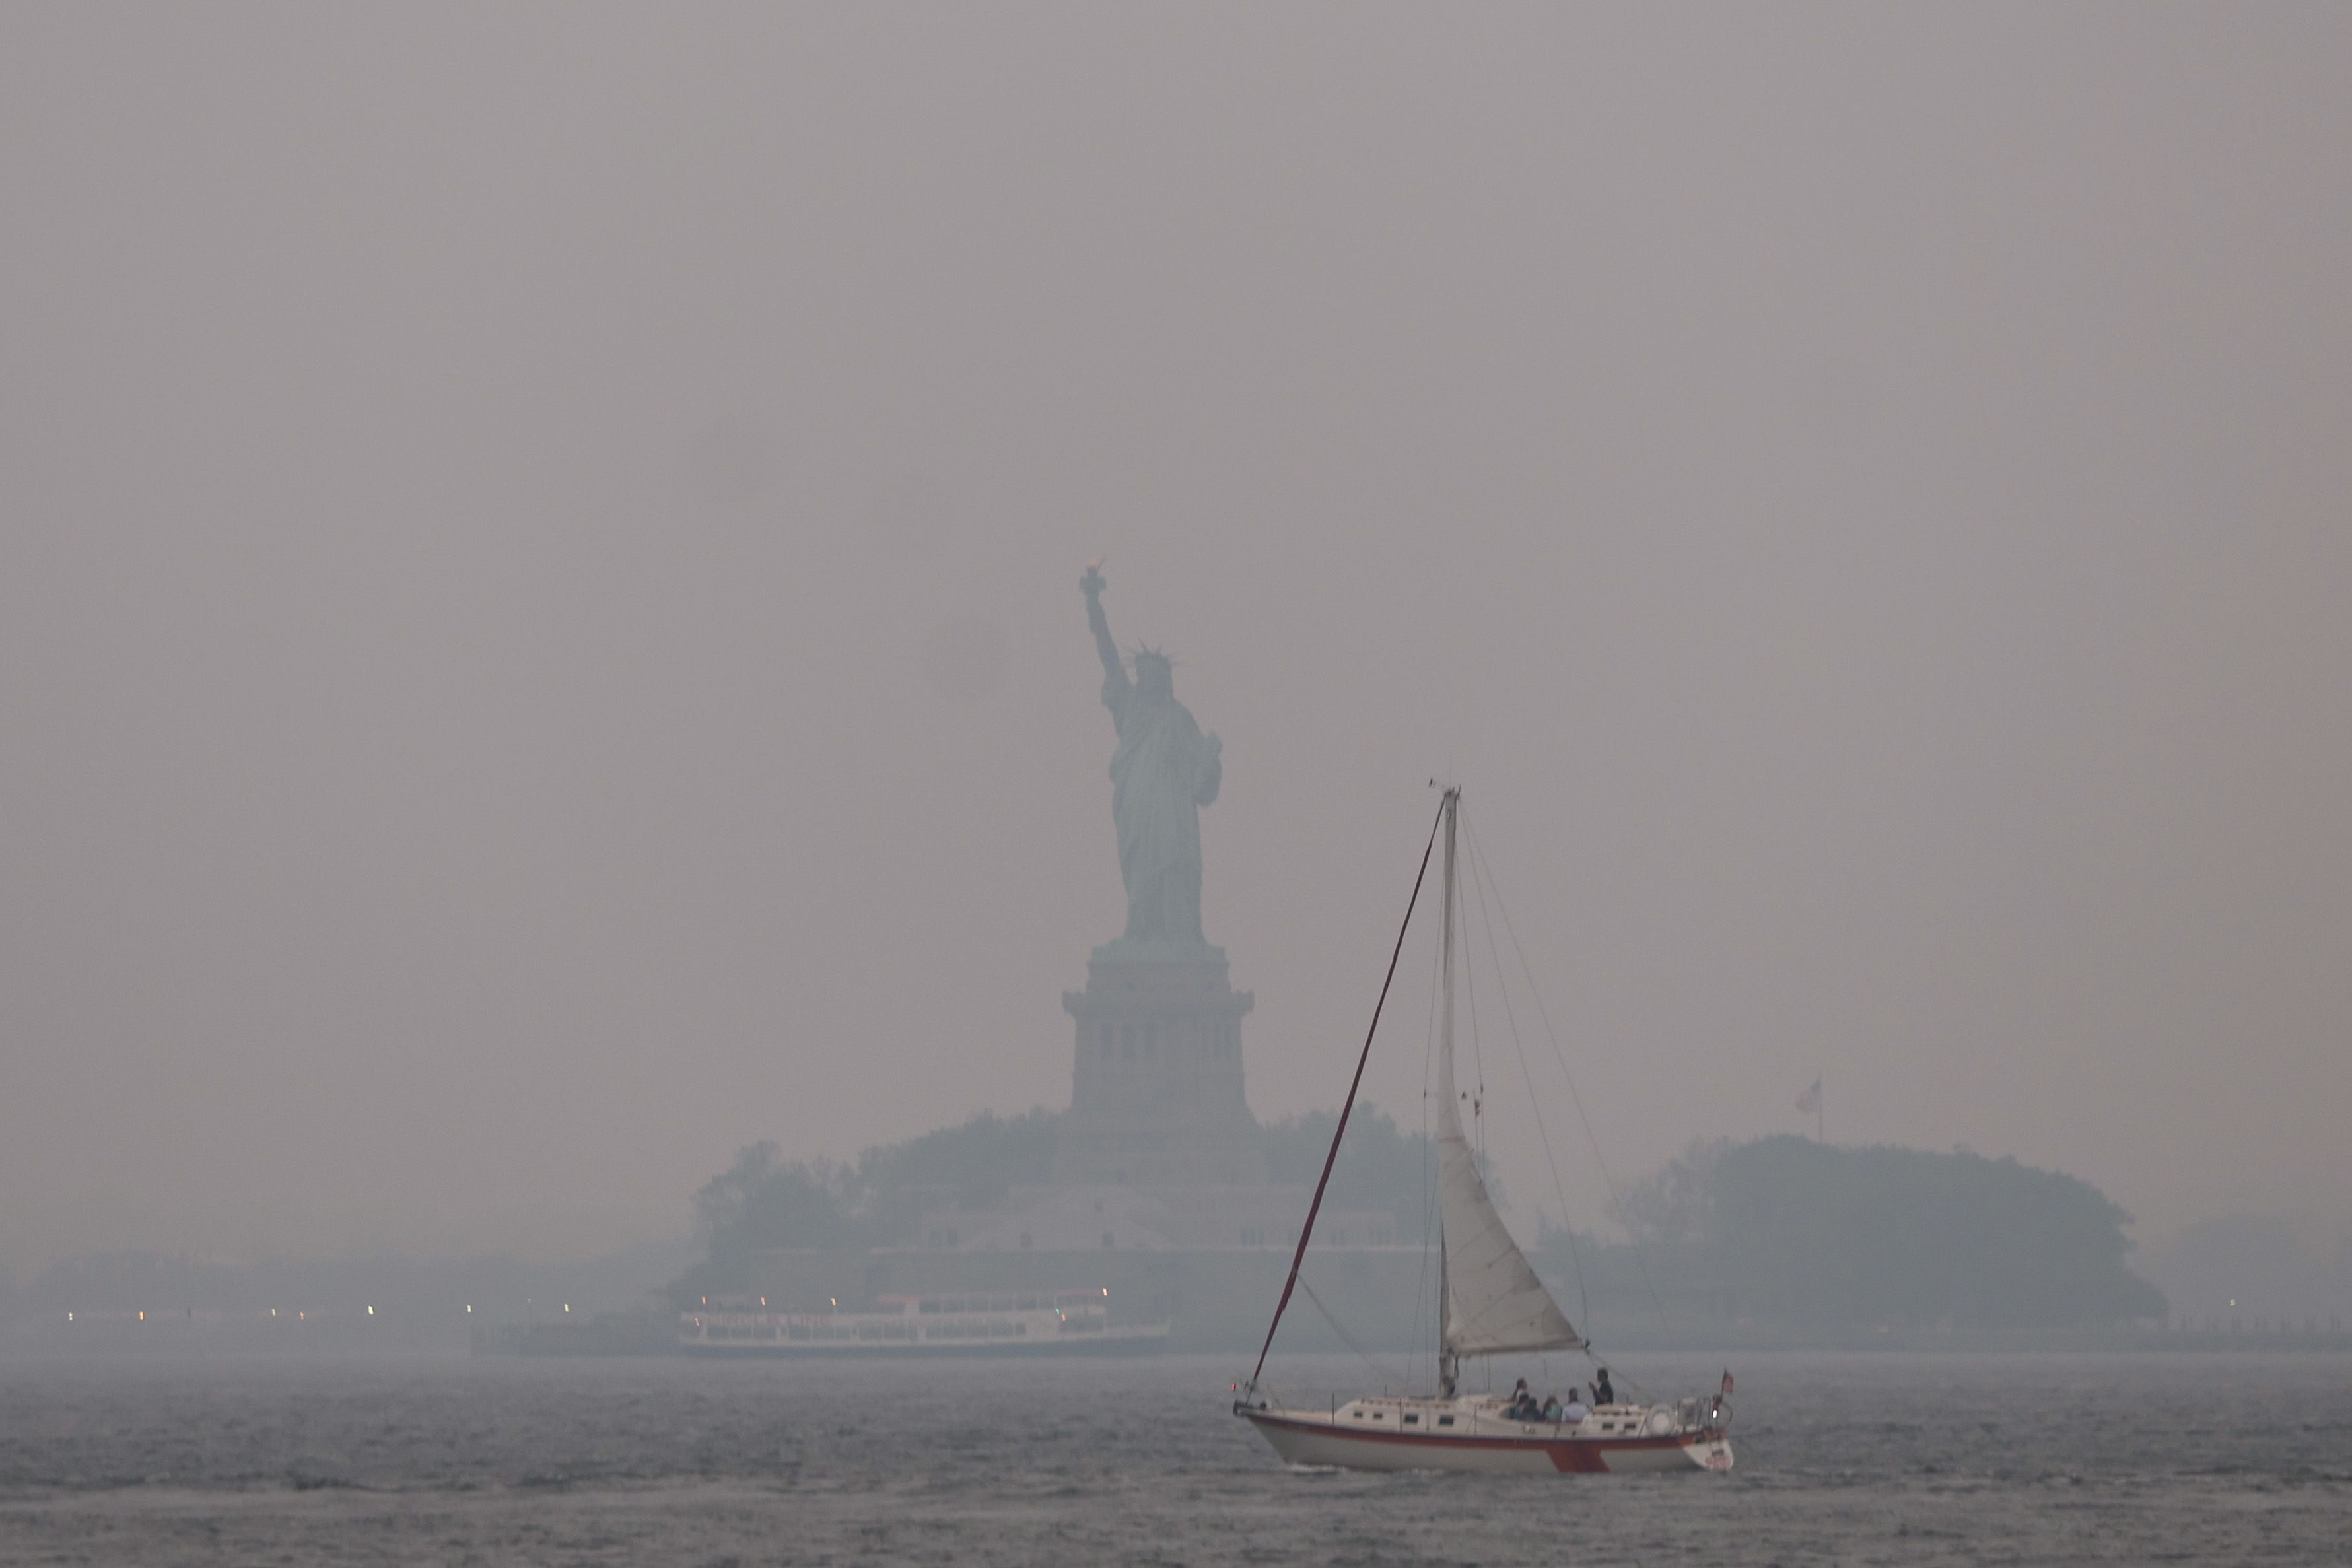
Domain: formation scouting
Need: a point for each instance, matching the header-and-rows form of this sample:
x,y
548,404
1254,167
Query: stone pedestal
x,y
1156,1094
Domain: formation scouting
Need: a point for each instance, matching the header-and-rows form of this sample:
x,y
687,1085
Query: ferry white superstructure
x,y
1053,1323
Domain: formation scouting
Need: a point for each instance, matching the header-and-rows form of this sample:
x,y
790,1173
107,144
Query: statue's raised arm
x,y
1092,586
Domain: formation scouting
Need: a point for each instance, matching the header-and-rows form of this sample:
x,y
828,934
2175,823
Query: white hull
x,y
1481,1442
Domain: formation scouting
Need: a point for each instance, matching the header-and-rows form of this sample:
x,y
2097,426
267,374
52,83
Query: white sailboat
x,y
1490,1303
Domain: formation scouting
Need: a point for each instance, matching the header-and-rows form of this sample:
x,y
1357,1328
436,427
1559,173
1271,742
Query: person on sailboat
x,y
1552,1408
1602,1393
1575,1411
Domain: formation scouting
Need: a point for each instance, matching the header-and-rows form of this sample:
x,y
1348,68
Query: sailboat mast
x,y
1445,942
1447,1362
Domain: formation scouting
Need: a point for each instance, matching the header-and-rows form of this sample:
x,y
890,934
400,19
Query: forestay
x,y
1493,1302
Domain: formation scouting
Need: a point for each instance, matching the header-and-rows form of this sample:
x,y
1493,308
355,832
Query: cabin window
x,y
1413,1420
1445,1420
1358,1414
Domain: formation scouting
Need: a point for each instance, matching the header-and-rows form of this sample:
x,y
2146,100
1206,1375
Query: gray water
x,y
1891,1459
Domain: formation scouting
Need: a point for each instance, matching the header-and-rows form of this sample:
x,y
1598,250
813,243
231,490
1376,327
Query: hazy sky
x,y
538,635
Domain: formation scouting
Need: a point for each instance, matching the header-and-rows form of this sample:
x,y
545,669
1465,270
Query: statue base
x,y
1156,1090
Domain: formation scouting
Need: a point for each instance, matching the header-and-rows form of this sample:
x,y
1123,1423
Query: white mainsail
x,y
1493,1302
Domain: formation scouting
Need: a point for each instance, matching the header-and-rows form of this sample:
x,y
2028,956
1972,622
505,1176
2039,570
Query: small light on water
x,y
371,1312
469,1306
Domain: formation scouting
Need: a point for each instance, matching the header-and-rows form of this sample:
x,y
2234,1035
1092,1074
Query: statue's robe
x,y
1162,774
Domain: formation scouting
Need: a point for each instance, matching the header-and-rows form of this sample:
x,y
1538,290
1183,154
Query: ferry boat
x,y
1490,1301
1053,1323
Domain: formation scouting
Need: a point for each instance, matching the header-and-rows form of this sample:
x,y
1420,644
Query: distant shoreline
x,y
643,1335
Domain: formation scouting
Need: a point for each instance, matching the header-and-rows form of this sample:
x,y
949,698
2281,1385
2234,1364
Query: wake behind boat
x,y
1490,1303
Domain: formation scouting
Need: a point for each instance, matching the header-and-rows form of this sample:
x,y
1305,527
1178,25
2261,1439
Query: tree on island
x,y
1787,1229
765,1202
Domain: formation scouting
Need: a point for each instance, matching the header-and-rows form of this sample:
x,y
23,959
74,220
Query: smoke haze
x,y
540,638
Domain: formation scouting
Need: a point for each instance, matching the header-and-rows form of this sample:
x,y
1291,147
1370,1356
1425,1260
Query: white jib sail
x,y
1493,1302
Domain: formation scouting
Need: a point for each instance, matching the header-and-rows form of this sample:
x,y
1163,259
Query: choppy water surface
x,y
1849,1458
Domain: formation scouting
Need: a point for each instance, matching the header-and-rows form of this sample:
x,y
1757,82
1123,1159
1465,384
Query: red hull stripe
x,y
1579,1454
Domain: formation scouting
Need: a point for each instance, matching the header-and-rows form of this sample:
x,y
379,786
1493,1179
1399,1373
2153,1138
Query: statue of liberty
x,y
1161,775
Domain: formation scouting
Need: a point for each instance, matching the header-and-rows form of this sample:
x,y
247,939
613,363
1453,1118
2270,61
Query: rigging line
x,y
1375,1363
1478,1056
1479,877
1484,880
1307,1229
1560,1056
